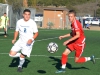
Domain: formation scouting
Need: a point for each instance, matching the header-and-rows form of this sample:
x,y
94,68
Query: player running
x,y
28,32
75,43
4,21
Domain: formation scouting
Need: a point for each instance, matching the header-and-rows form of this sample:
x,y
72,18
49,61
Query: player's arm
x,y
15,36
64,36
73,38
35,31
33,38
35,35
16,33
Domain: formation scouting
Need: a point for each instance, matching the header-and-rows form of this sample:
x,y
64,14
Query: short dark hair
x,y
26,10
72,11
4,13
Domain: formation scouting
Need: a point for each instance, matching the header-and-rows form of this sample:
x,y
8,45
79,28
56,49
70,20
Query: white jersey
x,y
26,29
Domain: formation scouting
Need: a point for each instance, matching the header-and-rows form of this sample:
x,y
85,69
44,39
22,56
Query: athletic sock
x,y
88,58
5,32
81,60
21,62
64,60
17,55
63,66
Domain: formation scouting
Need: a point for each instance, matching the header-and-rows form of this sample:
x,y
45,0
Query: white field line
x,y
39,30
43,56
7,32
1,32
40,55
47,39
5,39
35,40
47,30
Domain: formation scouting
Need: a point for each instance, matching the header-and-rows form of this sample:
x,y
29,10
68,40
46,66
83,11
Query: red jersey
x,y
76,26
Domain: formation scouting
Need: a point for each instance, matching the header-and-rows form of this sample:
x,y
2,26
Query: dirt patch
x,y
97,28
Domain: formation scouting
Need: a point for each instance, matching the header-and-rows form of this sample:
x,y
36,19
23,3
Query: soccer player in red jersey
x,y
75,43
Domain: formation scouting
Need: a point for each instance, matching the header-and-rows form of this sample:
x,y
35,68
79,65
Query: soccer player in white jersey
x,y
28,32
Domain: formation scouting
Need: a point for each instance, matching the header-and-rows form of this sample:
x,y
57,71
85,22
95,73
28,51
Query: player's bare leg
x,y
21,61
64,60
84,59
14,54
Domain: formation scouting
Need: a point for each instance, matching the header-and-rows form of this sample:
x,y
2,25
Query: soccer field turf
x,y
42,62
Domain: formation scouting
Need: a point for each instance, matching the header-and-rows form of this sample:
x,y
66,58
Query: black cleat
x,y
19,69
93,59
60,71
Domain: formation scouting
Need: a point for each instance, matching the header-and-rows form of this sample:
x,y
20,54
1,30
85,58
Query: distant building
x,y
55,17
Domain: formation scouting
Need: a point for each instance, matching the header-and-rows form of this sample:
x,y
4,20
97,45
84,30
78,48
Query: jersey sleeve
x,y
17,26
7,18
35,29
76,26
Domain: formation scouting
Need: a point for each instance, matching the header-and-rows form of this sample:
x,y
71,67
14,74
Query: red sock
x,y
64,59
81,60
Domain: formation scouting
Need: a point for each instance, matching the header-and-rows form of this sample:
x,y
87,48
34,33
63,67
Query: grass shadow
x,y
15,62
68,65
41,71
1,34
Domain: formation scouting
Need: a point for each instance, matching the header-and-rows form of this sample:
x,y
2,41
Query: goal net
x,y
4,8
14,14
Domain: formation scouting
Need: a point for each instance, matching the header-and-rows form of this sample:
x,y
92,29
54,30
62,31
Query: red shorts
x,y
77,47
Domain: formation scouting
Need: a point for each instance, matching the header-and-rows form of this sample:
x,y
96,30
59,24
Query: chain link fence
x,y
14,10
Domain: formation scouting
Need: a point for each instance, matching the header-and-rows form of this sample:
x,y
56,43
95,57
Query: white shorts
x,y
23,47
3,26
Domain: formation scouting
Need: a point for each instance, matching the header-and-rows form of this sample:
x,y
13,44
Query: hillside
x,y
82,7
87,8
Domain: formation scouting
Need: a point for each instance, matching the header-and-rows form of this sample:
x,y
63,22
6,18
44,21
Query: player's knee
x,y
66,52
76,60
23,55
11,55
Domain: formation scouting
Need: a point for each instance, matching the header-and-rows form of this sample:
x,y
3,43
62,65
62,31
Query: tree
x,y
16,4
98,12
25,4
2,1
50,24
32,3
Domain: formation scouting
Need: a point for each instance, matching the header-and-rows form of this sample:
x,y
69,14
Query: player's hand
x,y
65,43
13,41
61,37
29,42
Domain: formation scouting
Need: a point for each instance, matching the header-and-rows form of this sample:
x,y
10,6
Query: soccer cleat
x,y
60,71
92,59
5,35
19,69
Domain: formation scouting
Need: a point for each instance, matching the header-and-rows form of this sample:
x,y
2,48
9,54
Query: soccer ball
x,y
52,47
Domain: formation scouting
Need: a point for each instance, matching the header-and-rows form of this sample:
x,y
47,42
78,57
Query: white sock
x,y
17,55
63,66
21,62
87,58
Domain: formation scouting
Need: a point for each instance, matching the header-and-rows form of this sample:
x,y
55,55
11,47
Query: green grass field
x,y
42,62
